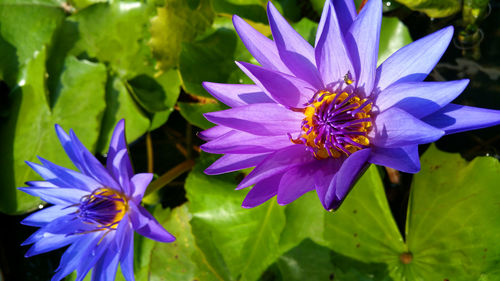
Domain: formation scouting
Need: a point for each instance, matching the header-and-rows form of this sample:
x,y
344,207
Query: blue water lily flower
x,y
315,117
95,212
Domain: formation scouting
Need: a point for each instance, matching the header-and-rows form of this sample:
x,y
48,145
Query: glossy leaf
x,y
32,118
177,22
434,8
453,223
247,239
393,36
193,112
19,42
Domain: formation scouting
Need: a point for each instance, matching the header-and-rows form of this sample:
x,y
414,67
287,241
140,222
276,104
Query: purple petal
x,y
324,176
245,143
455,118
295,51
234,162
345,11
264,119
235,95
93,255
262,191
413,62
146,225
140,183
119,170
278,162
214,132
118,143
362,41
263,49
47,215
343,181
285,89
331,52
404,159
395,128
63,177
296,181
420,98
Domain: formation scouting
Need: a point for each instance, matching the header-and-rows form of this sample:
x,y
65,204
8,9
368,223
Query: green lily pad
x,y
247,239
177,22
29,129
393,36
434,8
19,42
453,223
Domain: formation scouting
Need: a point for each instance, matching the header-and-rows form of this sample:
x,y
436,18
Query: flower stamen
x,y
104,207
335,124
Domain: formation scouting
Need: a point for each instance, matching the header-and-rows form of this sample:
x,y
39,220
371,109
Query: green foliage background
x,y
85,64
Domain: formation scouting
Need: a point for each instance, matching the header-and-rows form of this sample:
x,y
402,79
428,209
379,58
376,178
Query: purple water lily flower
x,y
96,210
317,116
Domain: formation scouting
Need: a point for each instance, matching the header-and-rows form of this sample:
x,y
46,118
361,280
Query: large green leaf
x,y
434,8
309,261
363,227
247,239
29,130
25,27
177,22
453,223
116,34
121,105
209,59
393,36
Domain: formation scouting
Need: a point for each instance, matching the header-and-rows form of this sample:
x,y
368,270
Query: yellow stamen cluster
x,y
335,124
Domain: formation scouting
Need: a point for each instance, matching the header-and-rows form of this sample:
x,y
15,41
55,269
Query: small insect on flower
x,y
316,117
96,210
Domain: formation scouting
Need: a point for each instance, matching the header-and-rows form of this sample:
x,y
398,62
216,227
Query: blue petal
x,y
91,166
332,56
345,11
140,183
127,256
47,215
57,195
263,49
295,51
94,254
362,41
234,162
413,62
50,242
324,176
455,118
262,191
119,170
395,128
420,98
146,225
235,95
68,178
404,159
75,254
118,143
285,89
